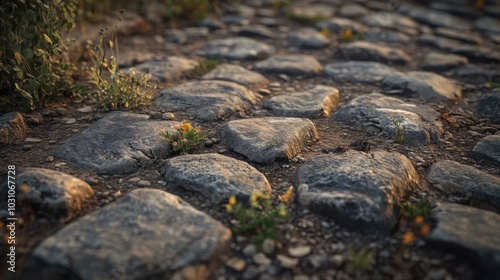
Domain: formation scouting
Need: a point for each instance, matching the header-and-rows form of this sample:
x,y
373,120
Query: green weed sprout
x,y
186,138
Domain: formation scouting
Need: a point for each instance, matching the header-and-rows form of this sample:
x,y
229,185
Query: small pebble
x,y
264,91
134,180
143,183
236,264
249,250
268,246
32,140
261,260
284,77
286,261
168,116
299,251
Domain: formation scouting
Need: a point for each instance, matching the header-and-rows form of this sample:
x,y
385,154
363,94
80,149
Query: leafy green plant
x,y
362,259
261,217
115,89
494,85
305,19
33,67
186,138
399,130
415,209
205,66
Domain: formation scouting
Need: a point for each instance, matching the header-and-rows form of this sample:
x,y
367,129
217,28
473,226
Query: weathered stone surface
x,y
488,25
337,25
12,128
479,188
462,36
488,148
295,65
471,233
214,176
392,21
147,233
167,69
237,74
265,140
255,31
489,107
118,143
479,74
454,9
366,51
311,11
207,100
385,36
441,62
438,19
365,72
238,48
315,102
51,194
307,38
473,53
426,85
375,113
358,190
353,10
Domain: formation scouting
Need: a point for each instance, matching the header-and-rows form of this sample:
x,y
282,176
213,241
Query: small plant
x,y
261,217
115,89
399,133
205,66
416,209
305,19
363,259
493,85
186,138
348,35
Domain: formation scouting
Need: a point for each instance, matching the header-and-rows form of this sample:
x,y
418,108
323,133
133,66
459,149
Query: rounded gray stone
x,y
462,36
489,107
12,128
488,25
360,191
338,25
168,68
237,74
488,148
366,72
238,48
385,36
366,51
207,100
479,74
426,85
389,20
307,38
118,143
52,194
311,11
214,176
469,232
315,102
441,62
255,31
438,19
265,140
294,65
146,233
376,112
479,188
353,10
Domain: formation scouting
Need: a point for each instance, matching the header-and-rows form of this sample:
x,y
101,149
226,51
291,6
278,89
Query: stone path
x,y
294,103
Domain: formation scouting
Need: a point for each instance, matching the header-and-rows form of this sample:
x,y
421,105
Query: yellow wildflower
x,y
287,196
229,208
419,219
282,210
346,35
325,31
408,237
425,230
232,200
186,126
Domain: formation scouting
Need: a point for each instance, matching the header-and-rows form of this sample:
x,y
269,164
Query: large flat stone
x,y
168,68
488,148
366,72
469,232
237,74
238,48
366,51
441,62
361,191
338,25
52,194
426,85
214,176
295,65
118,143
12,128
265,140
307,38
389,20
454,179
489,107
375,113
315,102
438,19
147,234
207,100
